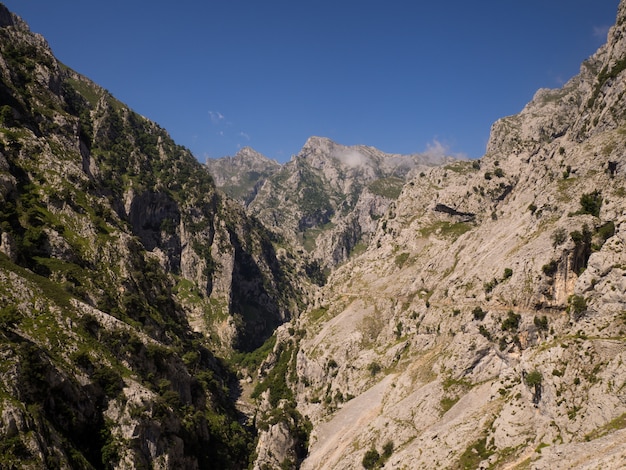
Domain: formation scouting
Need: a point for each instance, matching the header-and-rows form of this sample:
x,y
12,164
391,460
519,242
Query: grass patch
x,y
318,313
446,403
389,188
474,454
612,426
446,229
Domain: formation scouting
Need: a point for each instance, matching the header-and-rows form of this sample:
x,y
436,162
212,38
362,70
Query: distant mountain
x,y
327,198
240,176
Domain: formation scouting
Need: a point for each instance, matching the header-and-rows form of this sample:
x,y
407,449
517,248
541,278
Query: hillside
x,y
484,327
126,281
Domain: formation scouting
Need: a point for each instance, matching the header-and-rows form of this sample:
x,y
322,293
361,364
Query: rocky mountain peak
x,y
7,18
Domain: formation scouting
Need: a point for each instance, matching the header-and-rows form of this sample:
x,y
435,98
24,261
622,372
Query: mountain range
x,y
346,309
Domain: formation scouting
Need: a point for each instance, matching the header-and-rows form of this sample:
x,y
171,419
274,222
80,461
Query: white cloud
x,y
216,117
437,151
244,135
351,158
601,32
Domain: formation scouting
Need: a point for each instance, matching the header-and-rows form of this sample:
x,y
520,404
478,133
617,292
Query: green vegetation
x,y
446,229
541,323
511,322
478,314
591,203
251,361
533,378
401,259
475,453
577,305
374,368
373,460
389,187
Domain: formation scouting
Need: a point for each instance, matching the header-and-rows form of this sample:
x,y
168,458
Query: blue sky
x,y
404,76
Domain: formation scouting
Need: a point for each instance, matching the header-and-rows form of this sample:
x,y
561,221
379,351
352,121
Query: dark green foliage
x,y
582,247
550,269
533,378
577,305
251,361
508,272
541,323
276,380
109,380
606,231
499,172
484,332
371,459
9,317
559,236
374,368
511,322
591,203
478,314
474,454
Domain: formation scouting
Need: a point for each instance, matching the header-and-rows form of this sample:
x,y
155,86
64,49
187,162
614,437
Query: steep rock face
x,y
123,274
484,325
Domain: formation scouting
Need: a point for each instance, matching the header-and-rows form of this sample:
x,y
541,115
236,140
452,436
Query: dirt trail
x,y
331,441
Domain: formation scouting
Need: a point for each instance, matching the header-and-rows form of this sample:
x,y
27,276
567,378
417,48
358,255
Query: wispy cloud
x,y
351,158
437,150
216,117
244,135
601,32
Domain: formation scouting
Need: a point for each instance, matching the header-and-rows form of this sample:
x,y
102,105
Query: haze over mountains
x,y
346,309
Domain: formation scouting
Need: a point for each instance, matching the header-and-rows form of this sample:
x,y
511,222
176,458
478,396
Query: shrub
x,y
577,305
508,272
387,450
550,268
559,236
371,459
483,331
374,368
511,322
591,203
533,378
541,323
498,172
479,313
9,317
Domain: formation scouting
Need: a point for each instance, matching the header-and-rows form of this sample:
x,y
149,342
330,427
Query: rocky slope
x,y
484,327
326,199
125,279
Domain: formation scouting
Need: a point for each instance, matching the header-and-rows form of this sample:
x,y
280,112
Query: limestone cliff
x,y
125,279
484,325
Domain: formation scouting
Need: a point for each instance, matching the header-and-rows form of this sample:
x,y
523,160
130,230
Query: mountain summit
x,y
326,199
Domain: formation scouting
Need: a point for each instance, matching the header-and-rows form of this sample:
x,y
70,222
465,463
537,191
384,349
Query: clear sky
x,y
404,76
